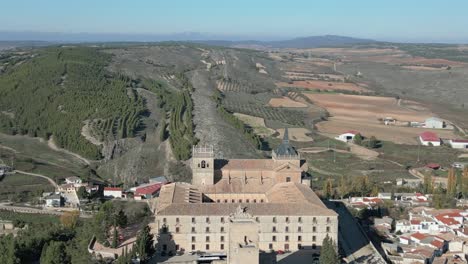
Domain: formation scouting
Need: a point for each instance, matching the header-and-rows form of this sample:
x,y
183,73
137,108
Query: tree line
x,y
53,93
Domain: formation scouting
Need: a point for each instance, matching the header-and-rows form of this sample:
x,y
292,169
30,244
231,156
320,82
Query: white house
x,y
347,136
434,122
428,138
54,200
113,192
459,143
73,180
403,226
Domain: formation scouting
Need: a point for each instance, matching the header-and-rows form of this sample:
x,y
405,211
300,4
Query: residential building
x,y
459,143
347,136
112,192
434,122
428,138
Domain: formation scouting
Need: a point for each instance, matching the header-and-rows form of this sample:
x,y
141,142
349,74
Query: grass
x,y
34,156
28,218
408,154
23,188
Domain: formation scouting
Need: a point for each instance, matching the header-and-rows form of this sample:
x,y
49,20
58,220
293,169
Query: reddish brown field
x,y
362,113
324,85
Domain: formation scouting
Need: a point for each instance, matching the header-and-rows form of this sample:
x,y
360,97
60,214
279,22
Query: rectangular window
x,y
328,229
287,219
207,229
193,219
299,229
288,179
225,200
218,200
274,219
299,246
177,220
207,239
207,247
314,220
177,247
222,229
261,200
255,200
207,219
286,238
247,201
299,219
222,238
193,247
314,238
270,246
193,229
233,201
222,219
299,238
240,200
286,229
274,229
177,229
164,220
193,239
273,238
257,219
221,247
314,229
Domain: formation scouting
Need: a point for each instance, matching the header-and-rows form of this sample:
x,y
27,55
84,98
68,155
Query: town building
x,y
112,192
434,122
242,206
347,136
73,180
428,138
147,191
459,143
54,200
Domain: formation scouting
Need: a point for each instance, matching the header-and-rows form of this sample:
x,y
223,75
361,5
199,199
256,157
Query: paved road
x,y
38,175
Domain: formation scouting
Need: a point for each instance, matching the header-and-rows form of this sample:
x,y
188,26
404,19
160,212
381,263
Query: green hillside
x,y
54,92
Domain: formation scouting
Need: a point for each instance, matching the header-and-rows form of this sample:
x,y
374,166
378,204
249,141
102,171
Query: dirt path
x,y
39,175
53,146
362,152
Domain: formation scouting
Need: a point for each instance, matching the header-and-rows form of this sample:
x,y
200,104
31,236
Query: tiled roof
x,y
419,236
112,189
149,189
429,136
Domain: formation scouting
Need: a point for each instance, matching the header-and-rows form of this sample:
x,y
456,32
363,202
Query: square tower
x,y
202,165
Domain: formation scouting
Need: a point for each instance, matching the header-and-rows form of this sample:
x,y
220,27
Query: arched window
x,y
203,164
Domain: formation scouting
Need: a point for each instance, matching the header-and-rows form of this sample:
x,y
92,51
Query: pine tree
x,y
328,253
143,246
54,253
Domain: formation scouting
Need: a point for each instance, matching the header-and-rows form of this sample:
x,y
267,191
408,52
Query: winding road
x,y
38,175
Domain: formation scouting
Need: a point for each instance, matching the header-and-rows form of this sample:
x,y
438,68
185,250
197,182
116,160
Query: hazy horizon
x,y
397,21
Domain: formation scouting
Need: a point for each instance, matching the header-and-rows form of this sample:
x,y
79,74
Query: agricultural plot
x,y
297,134
362,113
324,85
285,102
295,118
257,123
231,86
21,188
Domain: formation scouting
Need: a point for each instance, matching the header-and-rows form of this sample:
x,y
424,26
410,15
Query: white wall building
x,y
113,192
428,138
434,122
348,136
459,143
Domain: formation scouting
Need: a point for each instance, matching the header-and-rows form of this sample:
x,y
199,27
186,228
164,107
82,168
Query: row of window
x,y
274,219
299,238
222,230
221,247
240,201
207,239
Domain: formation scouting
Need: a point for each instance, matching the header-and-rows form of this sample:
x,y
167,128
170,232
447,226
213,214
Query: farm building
x,y
73,180
434,122
459,143
428,138
54,200
148,191
347,136
113,192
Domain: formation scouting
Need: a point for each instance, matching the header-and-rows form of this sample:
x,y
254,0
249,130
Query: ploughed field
x,y
364,114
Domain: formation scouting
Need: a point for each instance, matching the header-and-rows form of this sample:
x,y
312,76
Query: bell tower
x,y
202,165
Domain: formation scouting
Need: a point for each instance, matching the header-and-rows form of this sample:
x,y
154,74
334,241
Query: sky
x,y
396,20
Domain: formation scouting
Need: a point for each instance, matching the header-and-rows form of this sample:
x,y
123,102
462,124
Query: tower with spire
x,y
285,151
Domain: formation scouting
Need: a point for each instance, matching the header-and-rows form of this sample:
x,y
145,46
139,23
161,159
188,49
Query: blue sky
x,y
397,20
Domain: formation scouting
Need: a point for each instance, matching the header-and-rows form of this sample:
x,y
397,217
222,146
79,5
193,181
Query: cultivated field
x,y
324,85
297,134
362,113
285,102
257,123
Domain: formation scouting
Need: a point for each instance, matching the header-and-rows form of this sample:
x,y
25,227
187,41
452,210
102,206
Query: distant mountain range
x,y
300,43
210,39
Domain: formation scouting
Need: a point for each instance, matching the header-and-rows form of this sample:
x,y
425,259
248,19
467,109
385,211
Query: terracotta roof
x,y
433,165
415,222
460,140
437,243
354,132
429,136
418,236
149,189
447,221
245,164
112,189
